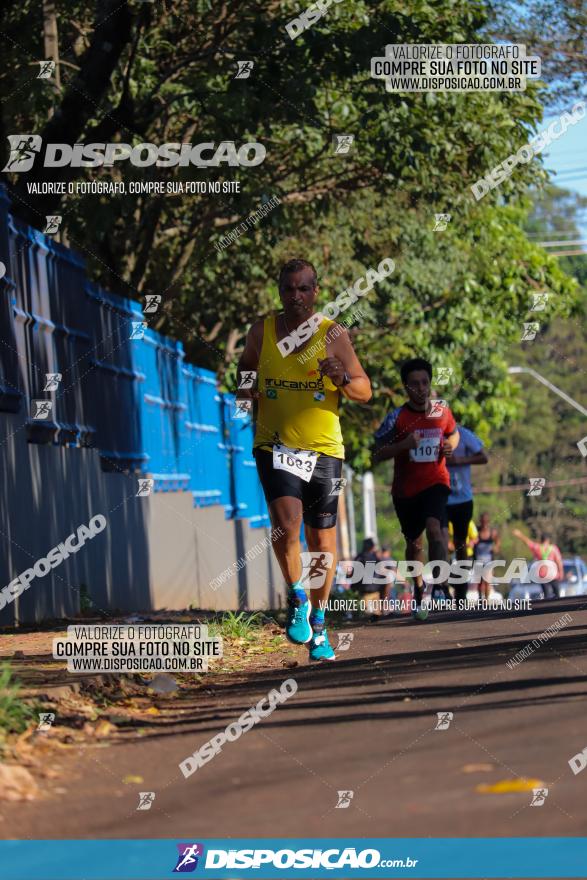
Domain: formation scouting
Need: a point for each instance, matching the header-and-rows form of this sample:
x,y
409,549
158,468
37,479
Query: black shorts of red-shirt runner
x,y
413,512
319,505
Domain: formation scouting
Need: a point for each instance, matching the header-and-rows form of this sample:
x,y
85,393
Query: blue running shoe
x,y
297,625
320,647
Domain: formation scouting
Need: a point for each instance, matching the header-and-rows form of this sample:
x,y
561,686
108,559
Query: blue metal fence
x,y
206,455
120,386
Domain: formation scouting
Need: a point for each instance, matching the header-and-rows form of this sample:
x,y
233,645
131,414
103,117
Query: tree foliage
x,y
542,441
556,31
138,72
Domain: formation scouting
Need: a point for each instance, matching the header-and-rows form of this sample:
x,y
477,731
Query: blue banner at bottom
x,y
503,857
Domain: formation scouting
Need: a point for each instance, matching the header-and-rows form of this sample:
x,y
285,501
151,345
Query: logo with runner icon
x,y
444,719
247,379
315,566
344,641
437,408
344,800
242,408
146,799
539,795
537,484
187,860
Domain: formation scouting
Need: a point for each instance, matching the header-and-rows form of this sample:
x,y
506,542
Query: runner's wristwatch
x,y
346,379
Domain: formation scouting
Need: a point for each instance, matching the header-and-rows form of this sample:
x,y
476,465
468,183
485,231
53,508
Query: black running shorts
x,y
460,515
319,505
414,511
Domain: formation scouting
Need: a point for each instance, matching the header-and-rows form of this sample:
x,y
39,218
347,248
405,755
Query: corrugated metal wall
x,y
125,395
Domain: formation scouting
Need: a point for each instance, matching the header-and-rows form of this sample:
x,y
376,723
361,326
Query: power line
x,y
558,232
523,487
519,487
568,253
571,170
566,180
577,241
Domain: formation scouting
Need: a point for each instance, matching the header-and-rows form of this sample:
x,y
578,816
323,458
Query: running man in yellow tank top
x,y
304,363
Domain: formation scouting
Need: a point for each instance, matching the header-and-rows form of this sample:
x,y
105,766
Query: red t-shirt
x,y
418,469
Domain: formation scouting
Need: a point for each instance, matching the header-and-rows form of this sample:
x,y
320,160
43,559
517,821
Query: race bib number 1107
x,y
428,448
300,462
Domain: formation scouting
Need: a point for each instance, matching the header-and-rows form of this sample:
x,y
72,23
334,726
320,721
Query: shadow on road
x,y
386,685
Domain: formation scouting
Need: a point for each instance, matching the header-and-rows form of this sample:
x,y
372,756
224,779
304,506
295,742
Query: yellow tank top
x,y
296,406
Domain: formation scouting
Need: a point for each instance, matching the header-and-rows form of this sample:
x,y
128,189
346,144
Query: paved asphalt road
x,y
365,723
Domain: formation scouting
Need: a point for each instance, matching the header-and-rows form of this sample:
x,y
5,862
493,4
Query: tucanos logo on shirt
x,y
294,385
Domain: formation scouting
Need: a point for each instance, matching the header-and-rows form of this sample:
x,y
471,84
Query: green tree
x,y
542,440
556,31
135,72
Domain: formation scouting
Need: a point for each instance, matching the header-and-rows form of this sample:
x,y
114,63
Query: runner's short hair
x,y
415,364
545,536
296,266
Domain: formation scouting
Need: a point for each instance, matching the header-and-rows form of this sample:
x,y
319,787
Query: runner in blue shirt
x,y
459,506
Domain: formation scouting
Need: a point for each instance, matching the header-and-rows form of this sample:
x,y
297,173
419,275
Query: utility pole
x,y
343,529
350,504
369,510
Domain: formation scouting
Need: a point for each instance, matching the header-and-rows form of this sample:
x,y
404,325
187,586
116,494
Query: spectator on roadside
x,y
385,589
368,590
368,552
488,544
545,550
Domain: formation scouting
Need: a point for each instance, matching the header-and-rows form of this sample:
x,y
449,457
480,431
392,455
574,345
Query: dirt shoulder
x,y
64,711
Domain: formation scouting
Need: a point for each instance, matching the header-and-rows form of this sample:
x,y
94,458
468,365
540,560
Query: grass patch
x,y
237,625
247,637
15,714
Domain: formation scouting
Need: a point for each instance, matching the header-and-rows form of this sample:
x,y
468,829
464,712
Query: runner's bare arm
x,y
384,450
450,444
477,458
342,359
249,359
522,537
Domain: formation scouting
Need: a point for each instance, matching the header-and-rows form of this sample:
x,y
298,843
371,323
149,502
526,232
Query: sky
x,y
567,156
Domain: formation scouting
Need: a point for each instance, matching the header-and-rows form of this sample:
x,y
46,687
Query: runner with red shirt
x,y
420,436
